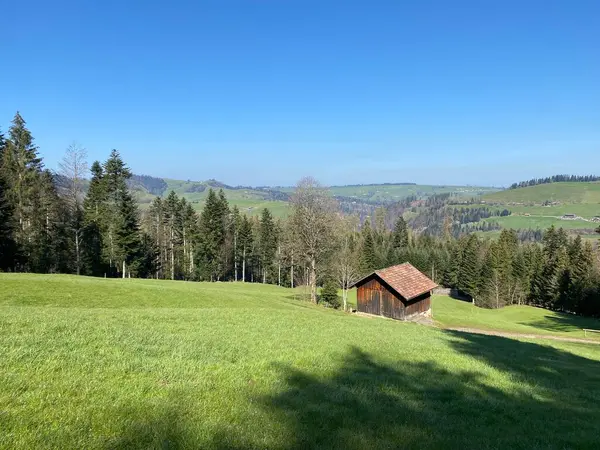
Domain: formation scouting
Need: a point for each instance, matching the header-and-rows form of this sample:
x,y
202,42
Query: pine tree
x,y
22,168
267,243
400,234
95,217
368,256
173,222
127,235
189,237
121,238
234,231
468,278
245,244
212,237
8,246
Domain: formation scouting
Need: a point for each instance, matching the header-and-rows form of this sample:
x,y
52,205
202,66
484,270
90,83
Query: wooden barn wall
x,y
373,297
368,297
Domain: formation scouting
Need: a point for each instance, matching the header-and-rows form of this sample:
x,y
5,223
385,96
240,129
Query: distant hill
x,y
362,199
563,192
574,206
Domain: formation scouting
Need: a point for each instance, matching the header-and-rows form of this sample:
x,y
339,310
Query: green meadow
x,y
115,364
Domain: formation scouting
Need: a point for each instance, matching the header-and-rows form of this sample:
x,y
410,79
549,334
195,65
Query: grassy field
x,y
557,192
542,223
449,312
110,364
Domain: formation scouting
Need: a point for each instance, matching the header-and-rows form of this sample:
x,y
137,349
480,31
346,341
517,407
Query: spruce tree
x,y
267,243
22,168
245,244
400,234
212,237
468,278
127,239
8,246
368,255
95,216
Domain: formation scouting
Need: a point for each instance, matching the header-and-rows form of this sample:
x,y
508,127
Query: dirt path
x,y
523,335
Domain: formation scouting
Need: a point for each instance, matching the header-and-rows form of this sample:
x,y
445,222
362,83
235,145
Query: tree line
x,y
49,223
555,179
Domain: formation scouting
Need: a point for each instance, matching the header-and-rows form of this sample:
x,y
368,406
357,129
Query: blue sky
x,y
266,91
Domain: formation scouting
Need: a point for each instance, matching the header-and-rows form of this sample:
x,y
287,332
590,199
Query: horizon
x,y
265,93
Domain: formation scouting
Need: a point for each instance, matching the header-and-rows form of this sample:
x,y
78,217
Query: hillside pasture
x,y
540,222
568,192
450,312
96,363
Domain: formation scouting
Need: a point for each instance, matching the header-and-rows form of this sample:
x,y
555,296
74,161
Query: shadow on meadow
x,y
564,323
540,397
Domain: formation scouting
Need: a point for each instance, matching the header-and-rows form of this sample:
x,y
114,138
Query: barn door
x,y
387,304
375,301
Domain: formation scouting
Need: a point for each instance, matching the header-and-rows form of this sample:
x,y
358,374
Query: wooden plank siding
x,y
375,297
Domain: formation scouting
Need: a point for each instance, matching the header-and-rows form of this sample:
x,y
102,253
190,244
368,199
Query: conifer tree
x,y
95,212
400,234
468,278
267,243
245,244
8,246
368,256
127,234
212,237
22,168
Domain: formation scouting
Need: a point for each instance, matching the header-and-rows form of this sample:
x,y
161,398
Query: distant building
x,y
569,217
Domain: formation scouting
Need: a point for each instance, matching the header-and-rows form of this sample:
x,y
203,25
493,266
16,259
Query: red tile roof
x,y
406,280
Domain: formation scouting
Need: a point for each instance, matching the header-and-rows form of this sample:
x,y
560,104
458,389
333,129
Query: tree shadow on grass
x,y
564,323
531,403
509,394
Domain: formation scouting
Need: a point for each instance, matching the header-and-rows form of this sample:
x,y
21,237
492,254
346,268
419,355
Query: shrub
x,y
329,294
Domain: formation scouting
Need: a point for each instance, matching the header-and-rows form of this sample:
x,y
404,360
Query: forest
x,y
84,220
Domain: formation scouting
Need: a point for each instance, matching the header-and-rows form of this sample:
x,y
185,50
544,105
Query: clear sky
x,y
265,91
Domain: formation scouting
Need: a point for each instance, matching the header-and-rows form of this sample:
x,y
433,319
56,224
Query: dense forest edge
x,y
71,222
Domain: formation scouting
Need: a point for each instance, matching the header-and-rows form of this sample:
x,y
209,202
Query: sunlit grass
x,y
94,363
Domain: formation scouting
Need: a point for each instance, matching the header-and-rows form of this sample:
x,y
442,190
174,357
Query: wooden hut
x,y
399,292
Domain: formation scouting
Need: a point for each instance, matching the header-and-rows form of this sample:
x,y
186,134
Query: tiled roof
x,y
406,280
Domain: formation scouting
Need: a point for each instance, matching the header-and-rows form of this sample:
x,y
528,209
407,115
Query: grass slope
x,y
449,312
527,210
94,363
559,192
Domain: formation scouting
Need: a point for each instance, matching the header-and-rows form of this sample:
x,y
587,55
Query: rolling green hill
x,y
564,193
252,200
541,206
136,364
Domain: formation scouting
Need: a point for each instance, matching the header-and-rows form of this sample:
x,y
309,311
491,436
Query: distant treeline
x,y
556,179
48,224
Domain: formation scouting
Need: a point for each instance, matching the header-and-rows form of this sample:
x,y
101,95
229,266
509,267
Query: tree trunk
x,y
244,266
172,255
292,273
124,269
235,259
77,253
313,280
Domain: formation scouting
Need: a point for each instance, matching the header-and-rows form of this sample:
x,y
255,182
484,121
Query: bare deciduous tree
x,y
73,168
313,220
346,267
